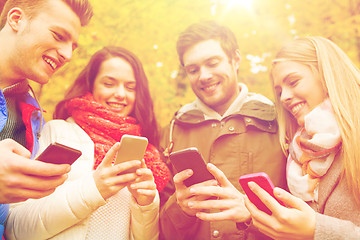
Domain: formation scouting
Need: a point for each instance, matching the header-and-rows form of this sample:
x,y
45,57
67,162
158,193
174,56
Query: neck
x,y
221,109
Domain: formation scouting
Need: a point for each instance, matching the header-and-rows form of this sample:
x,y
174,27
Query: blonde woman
x,y
318,103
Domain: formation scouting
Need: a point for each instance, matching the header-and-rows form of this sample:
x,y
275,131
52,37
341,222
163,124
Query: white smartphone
x,y
131,148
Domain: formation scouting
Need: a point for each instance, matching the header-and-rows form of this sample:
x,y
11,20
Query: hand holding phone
x,y
263,180
59,154
131,148
190,158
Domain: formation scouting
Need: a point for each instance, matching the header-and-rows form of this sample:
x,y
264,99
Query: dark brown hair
x,y
82,8
203,31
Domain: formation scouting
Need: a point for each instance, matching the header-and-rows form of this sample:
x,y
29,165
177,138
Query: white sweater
x,y
65,214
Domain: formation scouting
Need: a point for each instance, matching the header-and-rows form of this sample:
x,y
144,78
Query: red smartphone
x,y
190,158
59,154
263,180
131,148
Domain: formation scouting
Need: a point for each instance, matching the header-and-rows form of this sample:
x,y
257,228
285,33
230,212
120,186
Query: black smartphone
x,y
190,158
59,154
131,148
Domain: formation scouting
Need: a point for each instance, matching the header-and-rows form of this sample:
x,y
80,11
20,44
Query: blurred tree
x,y
150,29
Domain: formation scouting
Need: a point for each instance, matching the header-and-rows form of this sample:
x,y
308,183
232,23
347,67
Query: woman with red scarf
x,y
108,99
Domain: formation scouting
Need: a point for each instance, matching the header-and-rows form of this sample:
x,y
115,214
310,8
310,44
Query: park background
x,y
150,28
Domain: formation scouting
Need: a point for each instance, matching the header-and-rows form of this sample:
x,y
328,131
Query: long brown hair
x,y
143,110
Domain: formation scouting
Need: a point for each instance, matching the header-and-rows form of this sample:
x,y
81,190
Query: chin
x,y
41,81
301,122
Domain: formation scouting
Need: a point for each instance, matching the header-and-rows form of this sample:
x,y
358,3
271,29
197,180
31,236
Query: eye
x,y
58,36
108,84
213,62
192,70
131,86
293,82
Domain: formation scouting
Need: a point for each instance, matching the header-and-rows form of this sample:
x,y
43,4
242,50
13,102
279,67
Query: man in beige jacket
x,y
234,130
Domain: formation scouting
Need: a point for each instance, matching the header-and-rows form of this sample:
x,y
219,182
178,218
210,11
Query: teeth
x,y
297,108
51,63
211,87
116,105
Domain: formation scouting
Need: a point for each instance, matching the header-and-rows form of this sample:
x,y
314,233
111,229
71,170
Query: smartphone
x,y
263,180
59,154
131,148
190,158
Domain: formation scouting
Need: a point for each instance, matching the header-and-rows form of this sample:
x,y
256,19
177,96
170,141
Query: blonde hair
x,y
341,81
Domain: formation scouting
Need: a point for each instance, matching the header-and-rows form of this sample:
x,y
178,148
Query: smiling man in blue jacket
x,y
37,37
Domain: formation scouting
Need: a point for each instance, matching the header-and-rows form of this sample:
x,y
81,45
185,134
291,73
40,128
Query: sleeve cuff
x,y
244,225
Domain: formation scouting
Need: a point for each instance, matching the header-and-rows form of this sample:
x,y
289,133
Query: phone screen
x,y
263,180
190,158
59,154
131,148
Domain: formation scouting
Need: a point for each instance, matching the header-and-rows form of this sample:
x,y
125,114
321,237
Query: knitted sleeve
x,y
157,166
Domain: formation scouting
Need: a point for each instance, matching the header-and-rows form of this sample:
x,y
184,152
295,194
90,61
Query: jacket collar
x,y
246,104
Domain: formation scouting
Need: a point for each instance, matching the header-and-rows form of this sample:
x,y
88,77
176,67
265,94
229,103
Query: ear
x,y
236,59
14,17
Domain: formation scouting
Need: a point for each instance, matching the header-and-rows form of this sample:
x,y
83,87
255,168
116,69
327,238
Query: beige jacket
x,y
65,213
244,140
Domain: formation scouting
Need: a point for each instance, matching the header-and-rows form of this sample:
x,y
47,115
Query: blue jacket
x,y
33,120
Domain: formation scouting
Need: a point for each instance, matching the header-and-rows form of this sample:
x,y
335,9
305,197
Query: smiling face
x,y
115,86
45,42
213,77
298,88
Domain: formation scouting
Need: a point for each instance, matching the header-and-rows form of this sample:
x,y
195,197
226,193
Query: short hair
x,y
143,110
203,31
82,8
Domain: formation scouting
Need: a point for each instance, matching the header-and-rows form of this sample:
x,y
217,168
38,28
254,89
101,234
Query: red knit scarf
x,y
106,127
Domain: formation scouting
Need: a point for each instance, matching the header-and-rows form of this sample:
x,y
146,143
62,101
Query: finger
x,y
144,185
109,156
143,164
34,183
219,175
180,177
21,195
38,168
144,174
210,189
265,197
289,199
126,167
146,192
123,179
259,217
218,216
210,204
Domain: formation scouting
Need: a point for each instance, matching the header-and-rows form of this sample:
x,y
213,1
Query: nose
x,y
205,74
286,95
120,92
65,52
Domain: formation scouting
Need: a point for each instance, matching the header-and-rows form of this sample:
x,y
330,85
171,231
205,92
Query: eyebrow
x,y
286,79
289,75
206,60
68,36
